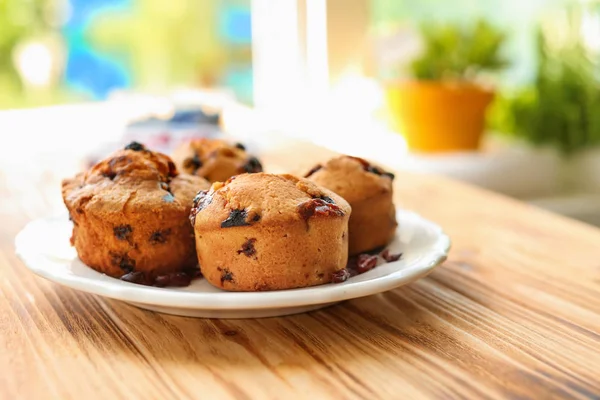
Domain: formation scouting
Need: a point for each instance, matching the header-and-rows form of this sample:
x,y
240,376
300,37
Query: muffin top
x,y
353,178
130,180
266,199
214,159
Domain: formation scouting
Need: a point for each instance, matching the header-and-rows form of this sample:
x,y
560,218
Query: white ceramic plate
x,y
44,247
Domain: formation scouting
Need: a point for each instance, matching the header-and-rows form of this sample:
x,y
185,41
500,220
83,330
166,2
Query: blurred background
x,y
500,93
63,51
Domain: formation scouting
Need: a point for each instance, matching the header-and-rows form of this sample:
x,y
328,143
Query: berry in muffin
x,y
130,215
214,159
269,232
368,189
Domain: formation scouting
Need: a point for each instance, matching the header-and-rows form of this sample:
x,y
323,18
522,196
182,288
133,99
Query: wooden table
x,y
514,313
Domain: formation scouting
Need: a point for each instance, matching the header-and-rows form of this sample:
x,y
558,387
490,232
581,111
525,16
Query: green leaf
x,y
453,52
562,106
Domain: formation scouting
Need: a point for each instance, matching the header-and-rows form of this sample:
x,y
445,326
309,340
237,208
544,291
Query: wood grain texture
x,y
514,313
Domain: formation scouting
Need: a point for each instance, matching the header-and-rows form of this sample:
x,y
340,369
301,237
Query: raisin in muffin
x,y
214,159
368,189
130,214
269,232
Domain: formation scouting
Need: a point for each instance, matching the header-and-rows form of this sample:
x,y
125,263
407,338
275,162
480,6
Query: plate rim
x,y
166,297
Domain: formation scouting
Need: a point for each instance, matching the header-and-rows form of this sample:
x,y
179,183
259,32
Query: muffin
x,y
369,191
214,159
269,232
130,215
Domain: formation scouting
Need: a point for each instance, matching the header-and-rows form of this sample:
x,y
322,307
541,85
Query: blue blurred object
x,y
195,116
181,118
91,73
88,70
82,11
235,25
240,76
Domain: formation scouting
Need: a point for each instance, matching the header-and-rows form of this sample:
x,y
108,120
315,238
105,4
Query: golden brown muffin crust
x,y
130,214
352,178
369,190
269,232
273,199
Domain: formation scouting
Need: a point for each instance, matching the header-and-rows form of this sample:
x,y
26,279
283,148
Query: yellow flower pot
x,y
438,117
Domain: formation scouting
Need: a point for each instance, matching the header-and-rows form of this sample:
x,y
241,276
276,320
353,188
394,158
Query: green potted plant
x,y
443,106
560,110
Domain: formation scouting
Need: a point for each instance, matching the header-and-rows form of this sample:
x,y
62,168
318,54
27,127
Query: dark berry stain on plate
x,y
367,261
340,276
390,257
178,279
173,279
135,277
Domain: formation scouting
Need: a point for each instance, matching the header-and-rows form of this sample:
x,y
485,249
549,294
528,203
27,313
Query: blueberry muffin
x,y
269,232
131,216
368,189
214,159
